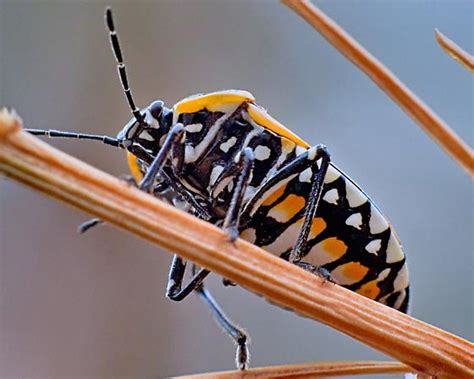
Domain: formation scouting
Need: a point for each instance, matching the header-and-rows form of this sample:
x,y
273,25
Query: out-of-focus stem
x,y
425,117
454,51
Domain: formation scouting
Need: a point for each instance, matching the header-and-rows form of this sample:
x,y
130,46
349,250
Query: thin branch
x,y
309,370
454,51
425,117
427,349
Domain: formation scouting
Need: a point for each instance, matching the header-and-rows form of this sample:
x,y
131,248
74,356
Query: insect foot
x,y
86,225
232,233
317,270
242,355
129,179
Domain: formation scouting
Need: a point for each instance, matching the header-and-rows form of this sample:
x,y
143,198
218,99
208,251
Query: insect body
x,y
235,166
348,235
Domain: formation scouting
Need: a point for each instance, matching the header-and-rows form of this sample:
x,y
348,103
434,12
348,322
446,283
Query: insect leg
x,y
240,338
231,221
147,183
86,225
175,135
317,180
175,292
317,270
89,224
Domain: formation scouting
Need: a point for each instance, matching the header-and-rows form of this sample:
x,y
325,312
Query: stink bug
x,y
230,163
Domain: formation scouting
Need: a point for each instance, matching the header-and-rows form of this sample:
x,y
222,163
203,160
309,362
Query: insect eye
x,y
156,108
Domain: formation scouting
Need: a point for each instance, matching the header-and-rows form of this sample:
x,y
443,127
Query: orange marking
x,y
212,101
317,227
288,208
132,161
248,234
353,271
261,117
287,146
370,289
274,196
334,247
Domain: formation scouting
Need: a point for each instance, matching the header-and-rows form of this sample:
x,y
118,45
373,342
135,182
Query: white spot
x,y
332,196
146,136
225,146
383,275
216,172
250,191
280,215
312,153
230,186
400,299
377,222
249,235
394,251
306,175
355,220
319,163
331,175
355,197
401,281
193,128
191,154
151,121
317,256
237,157
188,150
374,246
300,150
287,146
285,240
262,153
221,185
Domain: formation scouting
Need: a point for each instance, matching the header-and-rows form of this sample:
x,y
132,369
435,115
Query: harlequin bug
x,y
230,163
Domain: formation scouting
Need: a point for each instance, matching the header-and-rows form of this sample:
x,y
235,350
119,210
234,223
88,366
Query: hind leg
x,y
177,293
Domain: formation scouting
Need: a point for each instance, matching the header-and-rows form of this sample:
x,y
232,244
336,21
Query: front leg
x,y
175,135
89,224
147,184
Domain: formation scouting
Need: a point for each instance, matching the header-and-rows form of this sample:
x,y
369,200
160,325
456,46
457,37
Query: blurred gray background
x,y
93,306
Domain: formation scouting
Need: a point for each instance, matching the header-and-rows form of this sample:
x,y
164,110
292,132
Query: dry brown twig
x,y
425,117
454,51
413,342
312,370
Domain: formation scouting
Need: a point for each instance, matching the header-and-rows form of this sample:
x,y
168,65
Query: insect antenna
x,y
62,134
109,21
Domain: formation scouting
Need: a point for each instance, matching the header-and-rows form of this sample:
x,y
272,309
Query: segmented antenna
x,y
61,134
109,21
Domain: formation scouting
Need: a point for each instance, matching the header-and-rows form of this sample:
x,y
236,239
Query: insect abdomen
x,y
349,236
